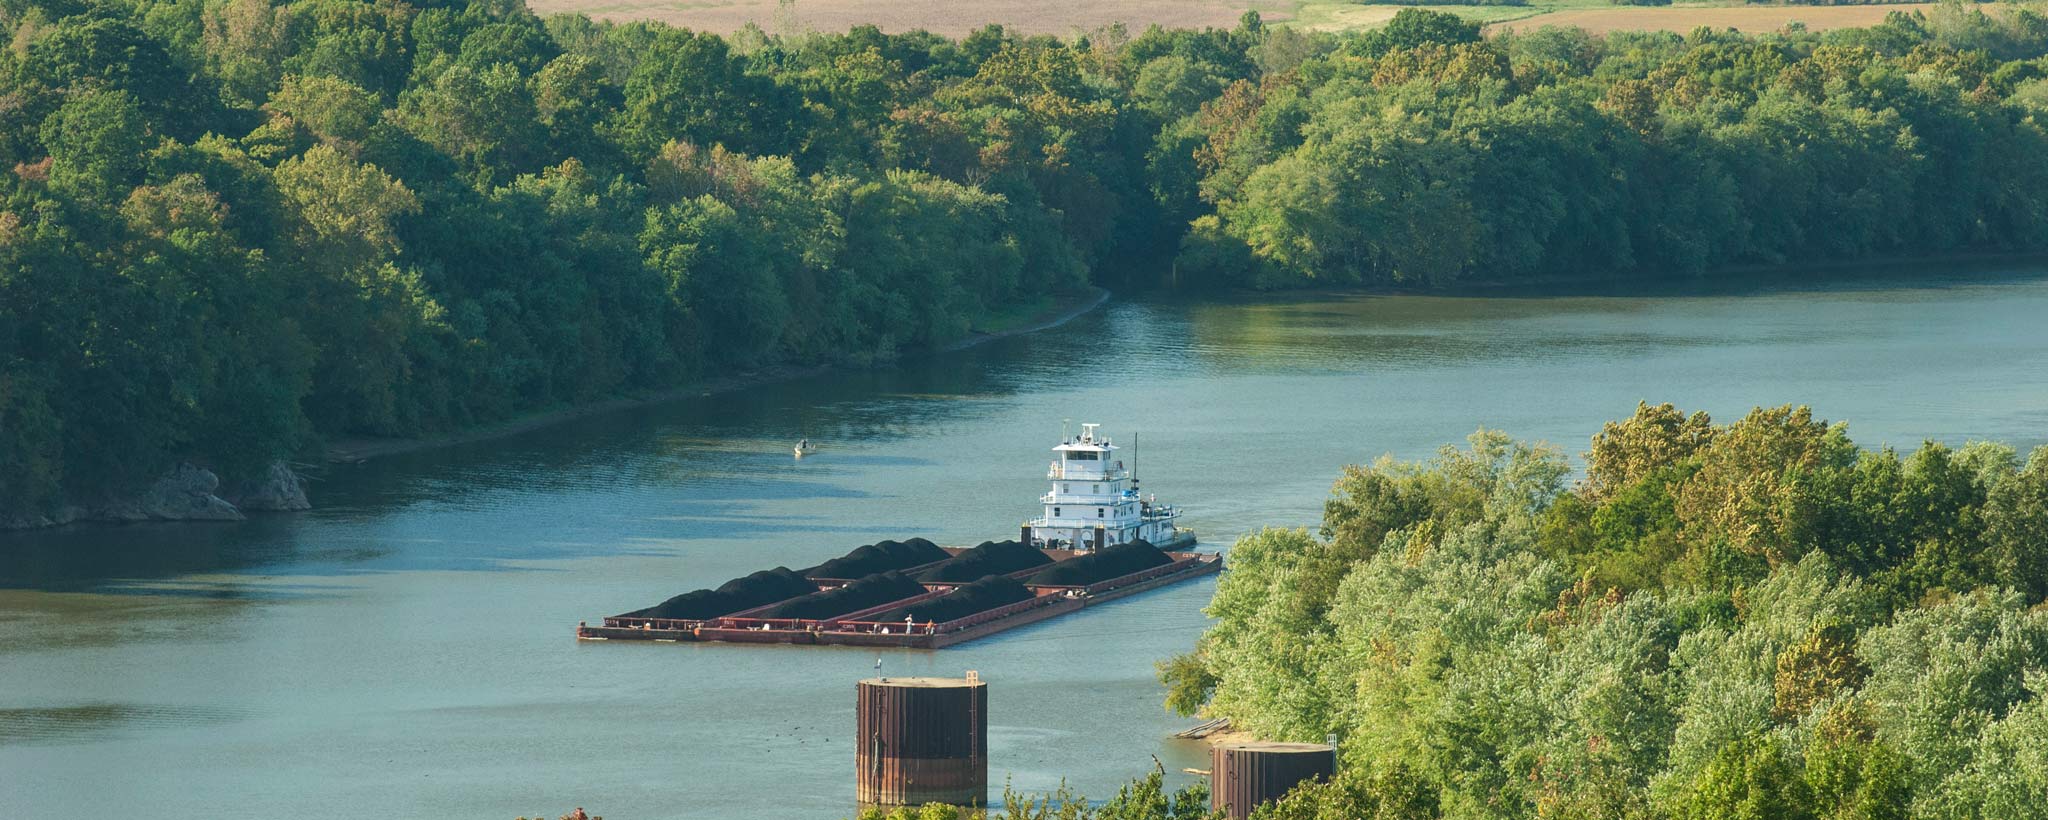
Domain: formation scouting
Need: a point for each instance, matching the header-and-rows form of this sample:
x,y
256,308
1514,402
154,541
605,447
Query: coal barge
x,y
1099,539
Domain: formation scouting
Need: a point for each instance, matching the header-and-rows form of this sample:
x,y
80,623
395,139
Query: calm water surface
x,y
406,650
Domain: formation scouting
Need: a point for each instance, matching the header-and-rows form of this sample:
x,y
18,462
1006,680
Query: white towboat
x,y
1095,502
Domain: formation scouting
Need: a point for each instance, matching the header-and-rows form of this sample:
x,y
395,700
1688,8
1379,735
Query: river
x,y
406,649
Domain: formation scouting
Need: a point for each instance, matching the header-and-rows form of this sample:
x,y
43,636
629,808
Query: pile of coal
x,y
990,558
759,589
881,556
981,596
1102,565
871,591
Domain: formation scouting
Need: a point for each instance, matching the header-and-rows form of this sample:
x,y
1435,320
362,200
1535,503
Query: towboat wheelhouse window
x,y
1082,455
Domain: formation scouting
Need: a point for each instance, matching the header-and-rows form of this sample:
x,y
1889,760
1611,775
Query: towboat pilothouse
x,y
1095,501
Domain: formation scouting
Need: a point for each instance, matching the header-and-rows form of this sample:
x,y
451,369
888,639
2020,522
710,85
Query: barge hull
x,y
1050,602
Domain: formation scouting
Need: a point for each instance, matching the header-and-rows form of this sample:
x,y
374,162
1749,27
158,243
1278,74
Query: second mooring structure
x,y
921,740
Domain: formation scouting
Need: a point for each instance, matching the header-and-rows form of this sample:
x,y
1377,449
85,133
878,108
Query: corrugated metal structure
x,y
922,740
1244,776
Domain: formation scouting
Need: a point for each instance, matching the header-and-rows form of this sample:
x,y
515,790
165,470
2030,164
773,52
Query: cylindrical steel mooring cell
x,y
1244,776
921,740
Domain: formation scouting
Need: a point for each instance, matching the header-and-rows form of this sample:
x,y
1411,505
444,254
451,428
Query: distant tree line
x,y
1421,154
1716,622
232,228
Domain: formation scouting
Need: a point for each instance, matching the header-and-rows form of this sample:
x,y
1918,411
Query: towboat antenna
x,y
1134,459
1063,430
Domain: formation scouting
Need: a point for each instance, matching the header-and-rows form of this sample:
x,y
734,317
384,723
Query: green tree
x,y
96,141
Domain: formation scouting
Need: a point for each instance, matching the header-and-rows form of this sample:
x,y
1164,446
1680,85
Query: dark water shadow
x,y
81,557
91,722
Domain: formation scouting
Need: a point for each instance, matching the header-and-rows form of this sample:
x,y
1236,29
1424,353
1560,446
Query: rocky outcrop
x,y
64,515
278,489
186,493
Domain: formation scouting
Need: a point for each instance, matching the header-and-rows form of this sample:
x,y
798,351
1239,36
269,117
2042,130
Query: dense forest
x,y
229,230
1749,621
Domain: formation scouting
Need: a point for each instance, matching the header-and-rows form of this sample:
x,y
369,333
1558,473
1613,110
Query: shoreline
x,y
1754,273
356,451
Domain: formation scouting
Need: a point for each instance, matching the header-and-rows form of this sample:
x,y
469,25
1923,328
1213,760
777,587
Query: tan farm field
x,y
1681,19
953,18
1066,17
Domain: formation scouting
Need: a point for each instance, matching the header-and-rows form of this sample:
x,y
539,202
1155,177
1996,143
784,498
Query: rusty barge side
x,y
853,630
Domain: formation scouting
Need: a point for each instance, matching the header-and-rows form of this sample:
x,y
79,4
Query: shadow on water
x,y
87,556
80,723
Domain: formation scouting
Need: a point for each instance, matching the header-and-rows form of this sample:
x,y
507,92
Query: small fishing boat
x,y
804,448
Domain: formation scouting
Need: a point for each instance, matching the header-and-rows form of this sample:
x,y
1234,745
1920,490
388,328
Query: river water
x,y
406,650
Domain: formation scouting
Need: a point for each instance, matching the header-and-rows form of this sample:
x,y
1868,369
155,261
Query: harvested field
x,y
1067,17
1752,19
954,19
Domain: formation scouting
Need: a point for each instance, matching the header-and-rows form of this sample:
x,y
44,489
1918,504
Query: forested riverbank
x,y
1749,620
232,230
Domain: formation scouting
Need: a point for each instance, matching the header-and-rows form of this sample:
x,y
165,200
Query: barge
x,y
1094,521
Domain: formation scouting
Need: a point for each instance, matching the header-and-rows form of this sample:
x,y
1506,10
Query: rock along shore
x,y
186,492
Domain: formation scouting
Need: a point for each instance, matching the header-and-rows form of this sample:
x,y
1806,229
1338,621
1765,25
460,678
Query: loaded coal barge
x,y
1097,540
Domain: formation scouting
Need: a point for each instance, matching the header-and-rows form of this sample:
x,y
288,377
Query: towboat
x,y
1102,539
1095,501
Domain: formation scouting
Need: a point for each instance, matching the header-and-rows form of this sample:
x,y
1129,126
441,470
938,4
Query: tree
x,y
483,118
1410,28
96,141
333,109
347,211
1654,439
1759,489
1753,779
